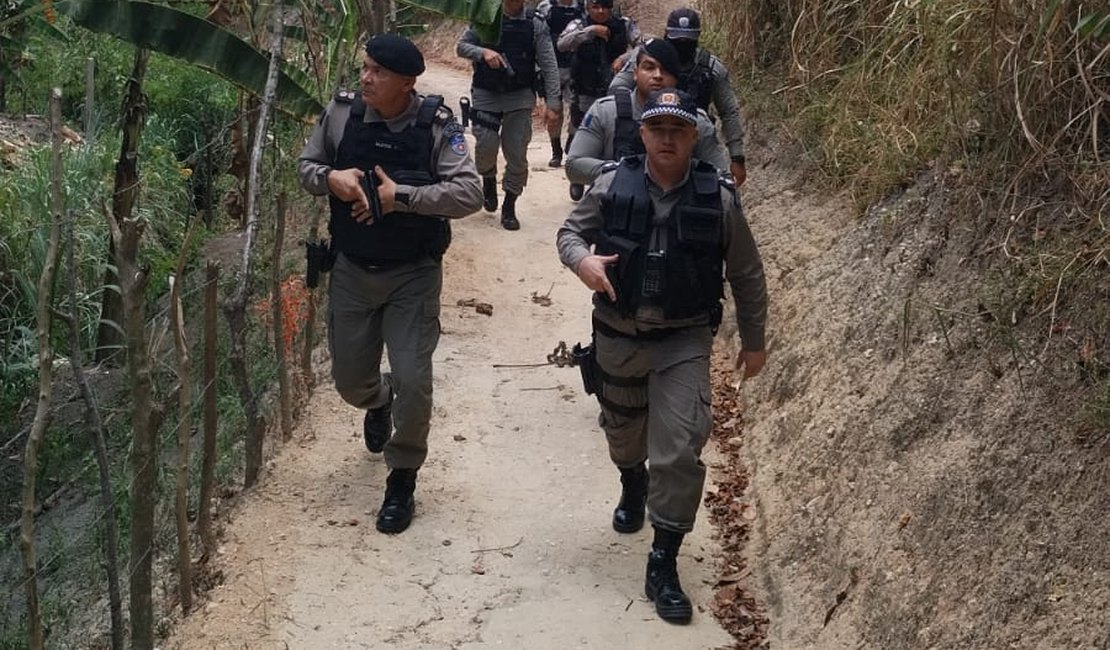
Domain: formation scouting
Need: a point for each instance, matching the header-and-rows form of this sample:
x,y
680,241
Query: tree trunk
x,y
208,463
237,305
284,398
95,425
308,375
46,385
184,432
126,234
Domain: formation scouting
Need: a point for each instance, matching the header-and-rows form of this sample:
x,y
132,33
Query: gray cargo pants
x,y
511,132
666,420
398,308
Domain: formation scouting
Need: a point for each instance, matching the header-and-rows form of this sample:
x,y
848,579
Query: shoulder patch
x,y
587,121
345,96
453,133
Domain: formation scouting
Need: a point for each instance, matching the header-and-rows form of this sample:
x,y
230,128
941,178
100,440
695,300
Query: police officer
x,y
596,41
503,95
611,128
705,77
387,277
664,228
558,14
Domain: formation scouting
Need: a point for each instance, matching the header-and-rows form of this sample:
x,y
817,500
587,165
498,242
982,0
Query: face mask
x,y
687,49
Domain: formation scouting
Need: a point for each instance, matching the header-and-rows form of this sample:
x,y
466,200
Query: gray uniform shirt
x,y
743,267
459,190
470,47
577,33
723,99
592,146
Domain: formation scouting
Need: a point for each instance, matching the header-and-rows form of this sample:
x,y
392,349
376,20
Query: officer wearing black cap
x,y
385,286
503,95
611,128
706,78
652,238
594,42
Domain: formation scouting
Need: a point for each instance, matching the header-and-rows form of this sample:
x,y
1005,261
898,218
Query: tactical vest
x,y
518,46
677,265
626,131
407,158
558,18
591,68
699,81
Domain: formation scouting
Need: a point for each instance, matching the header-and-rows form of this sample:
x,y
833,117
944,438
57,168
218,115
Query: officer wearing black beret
x,y
409,151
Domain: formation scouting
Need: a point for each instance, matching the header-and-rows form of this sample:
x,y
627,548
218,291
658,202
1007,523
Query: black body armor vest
x,y
591,67
626,131
407,158
518,46
676,265
699,80
557,20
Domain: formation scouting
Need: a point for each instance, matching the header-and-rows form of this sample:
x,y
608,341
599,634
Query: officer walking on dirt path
x,y
704,77
611,128
558,14
410,152
595,41
503,90
664,227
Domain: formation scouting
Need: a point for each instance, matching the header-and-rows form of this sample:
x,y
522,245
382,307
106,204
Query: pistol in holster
x,y
586,360
319,258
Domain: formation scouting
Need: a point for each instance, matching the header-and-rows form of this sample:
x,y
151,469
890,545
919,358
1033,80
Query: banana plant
x,y
193,39
484,15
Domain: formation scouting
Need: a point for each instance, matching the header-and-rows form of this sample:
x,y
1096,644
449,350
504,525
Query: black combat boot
x,y
628,516
489,191
377,426
508,212
661,584
556,153
576,191
396,511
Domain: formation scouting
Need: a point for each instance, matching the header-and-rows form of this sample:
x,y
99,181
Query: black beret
x,y
665,53
396,53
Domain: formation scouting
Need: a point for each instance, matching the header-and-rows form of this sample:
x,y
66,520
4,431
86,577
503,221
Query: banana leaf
x,y
484,15
195,40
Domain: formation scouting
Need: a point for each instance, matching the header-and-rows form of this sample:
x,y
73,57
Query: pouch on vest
x,y
698,227
620,275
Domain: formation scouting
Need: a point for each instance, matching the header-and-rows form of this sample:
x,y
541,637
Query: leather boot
x,y
508,212
576,191
661,584
489,191
377,425
628,516
556,153
395,514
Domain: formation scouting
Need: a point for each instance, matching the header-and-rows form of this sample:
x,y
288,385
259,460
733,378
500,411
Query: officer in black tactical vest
x,y
558,14
663,228
395,168
596,40
611,128
503,93
705,77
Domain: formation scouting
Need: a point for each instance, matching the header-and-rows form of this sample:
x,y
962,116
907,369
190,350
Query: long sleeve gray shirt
x,y
470,47
723,100
459,190
592,146
743,267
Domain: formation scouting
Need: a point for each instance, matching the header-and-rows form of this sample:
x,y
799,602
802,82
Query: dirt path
x,y
511,545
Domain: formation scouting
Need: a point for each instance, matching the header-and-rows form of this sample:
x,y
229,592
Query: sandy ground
x,y
511,545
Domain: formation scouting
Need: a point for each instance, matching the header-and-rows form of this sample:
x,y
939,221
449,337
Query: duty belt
x,y
640,335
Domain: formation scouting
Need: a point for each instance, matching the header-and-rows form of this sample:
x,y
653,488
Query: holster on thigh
x,y
487,119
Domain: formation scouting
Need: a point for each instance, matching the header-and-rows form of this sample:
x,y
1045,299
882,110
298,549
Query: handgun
x,y
369,184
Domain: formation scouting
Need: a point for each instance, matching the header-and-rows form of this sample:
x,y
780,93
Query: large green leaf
x,y
484,15
193,39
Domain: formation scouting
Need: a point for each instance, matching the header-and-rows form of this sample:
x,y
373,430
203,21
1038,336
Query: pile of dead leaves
x,y
733,604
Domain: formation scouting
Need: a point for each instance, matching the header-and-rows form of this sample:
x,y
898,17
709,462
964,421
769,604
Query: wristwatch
x,y
402,198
